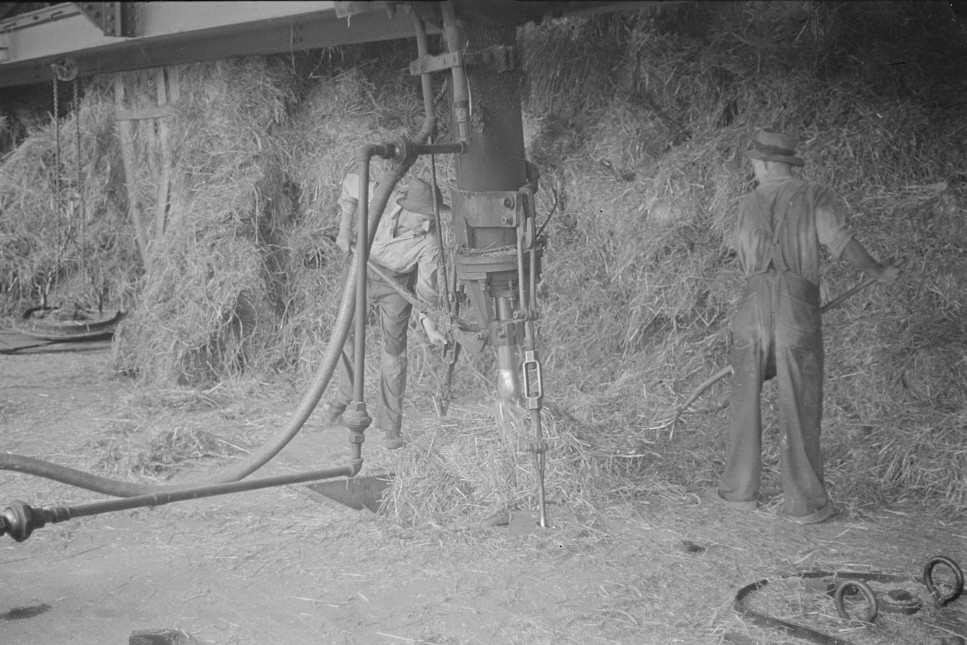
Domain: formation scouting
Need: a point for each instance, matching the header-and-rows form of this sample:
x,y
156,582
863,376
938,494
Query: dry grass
x,y
207,310
61,234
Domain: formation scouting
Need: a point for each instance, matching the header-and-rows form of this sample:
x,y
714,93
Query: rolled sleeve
x,y
426,282
349,195
831,228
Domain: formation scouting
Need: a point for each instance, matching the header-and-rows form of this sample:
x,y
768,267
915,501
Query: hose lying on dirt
x,y
310,399
240,470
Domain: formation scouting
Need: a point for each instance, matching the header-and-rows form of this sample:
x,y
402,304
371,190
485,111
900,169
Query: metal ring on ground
x,y
932,586
872,608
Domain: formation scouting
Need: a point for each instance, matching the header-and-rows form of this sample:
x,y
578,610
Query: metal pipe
x,y
441,148
20,520
362,251
310,399
423,50
461,93
507,388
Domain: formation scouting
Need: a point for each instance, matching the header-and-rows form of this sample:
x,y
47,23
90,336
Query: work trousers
x,y
394,317
777,331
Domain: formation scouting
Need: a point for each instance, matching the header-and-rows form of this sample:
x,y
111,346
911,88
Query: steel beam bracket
x,y
501,58
118,19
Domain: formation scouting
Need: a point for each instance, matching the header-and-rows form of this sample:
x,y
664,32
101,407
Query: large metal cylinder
x,y
489,207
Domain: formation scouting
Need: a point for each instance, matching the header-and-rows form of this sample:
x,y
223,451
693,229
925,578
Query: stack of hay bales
x,y
62,220
207,309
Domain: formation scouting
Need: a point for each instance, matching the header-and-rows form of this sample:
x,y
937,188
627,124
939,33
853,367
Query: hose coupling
x,y
356,418
19,520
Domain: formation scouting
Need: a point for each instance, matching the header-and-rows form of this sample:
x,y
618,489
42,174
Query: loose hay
x,y
162,453
207,310
476,466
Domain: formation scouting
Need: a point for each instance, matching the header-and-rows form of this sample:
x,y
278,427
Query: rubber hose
x,y
235,472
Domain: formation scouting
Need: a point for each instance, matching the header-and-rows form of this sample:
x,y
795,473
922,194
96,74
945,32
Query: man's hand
x,y
344,241
432,333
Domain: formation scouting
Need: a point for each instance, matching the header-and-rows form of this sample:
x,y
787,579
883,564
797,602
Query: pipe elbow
x,y
383,150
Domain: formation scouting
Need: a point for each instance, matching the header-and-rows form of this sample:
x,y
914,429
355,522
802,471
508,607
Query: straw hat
x,y
419,198
771,145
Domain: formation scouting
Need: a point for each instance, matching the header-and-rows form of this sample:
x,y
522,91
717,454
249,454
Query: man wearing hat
x,y
405,248
777,331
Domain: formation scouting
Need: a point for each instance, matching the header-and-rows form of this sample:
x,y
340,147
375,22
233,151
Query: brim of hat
x,y
792,161
416,208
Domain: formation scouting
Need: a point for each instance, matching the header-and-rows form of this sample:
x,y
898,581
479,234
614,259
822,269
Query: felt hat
x,y
771,145
419,198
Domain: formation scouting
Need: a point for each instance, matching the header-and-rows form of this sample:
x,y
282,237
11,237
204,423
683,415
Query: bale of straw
x,y
64,238
207,310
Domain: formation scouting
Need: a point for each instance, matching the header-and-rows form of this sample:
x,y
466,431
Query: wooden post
x,y
174,95
130,178
161,206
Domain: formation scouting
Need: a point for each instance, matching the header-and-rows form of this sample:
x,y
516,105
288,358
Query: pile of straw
x,y
476,466
61,227
642,170
639,283
207,309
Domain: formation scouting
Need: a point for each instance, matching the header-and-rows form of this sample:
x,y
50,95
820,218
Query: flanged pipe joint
x,y
19,520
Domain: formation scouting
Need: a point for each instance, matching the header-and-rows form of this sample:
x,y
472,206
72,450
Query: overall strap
x,y
775,257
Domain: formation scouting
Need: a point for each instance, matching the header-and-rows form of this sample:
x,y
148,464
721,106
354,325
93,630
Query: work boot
x,y
332,413
712,495
393,440
816,517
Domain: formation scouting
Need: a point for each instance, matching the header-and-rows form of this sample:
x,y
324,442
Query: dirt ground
x,y
285,566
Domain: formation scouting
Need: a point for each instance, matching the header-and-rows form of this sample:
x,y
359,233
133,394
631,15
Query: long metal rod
x,y
159,499
362,250
20,520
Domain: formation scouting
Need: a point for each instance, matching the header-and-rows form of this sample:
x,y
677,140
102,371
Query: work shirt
x,y
812,219
399,251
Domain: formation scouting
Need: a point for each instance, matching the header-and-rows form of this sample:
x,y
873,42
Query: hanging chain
x,y
81,210
56,139
77,132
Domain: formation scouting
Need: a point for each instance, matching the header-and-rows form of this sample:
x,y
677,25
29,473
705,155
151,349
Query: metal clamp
x,y
532,380
501,58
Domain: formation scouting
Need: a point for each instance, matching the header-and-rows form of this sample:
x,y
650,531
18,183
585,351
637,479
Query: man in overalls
x,y
777,331
405,249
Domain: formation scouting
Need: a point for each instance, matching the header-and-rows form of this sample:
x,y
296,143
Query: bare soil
x,y
285,566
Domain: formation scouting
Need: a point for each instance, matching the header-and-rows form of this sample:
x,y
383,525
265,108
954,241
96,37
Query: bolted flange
x,y
19,520
355,416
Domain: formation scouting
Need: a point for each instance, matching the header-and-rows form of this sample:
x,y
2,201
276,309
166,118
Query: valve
x,y
19,520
